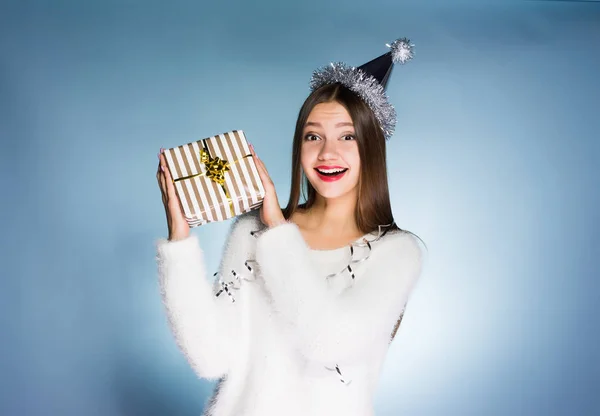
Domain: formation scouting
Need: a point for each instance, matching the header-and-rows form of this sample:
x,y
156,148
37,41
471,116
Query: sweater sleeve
x,y
337,328
200,322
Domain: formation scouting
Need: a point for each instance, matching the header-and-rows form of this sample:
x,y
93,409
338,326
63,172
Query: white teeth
x,y
331,170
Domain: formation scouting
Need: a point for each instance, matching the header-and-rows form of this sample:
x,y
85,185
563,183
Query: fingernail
x,y
162,168
162,149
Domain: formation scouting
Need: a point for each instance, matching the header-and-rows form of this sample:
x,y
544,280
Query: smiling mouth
x,y
331,172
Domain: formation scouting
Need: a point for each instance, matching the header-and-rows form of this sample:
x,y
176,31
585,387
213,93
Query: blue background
x,y
494,164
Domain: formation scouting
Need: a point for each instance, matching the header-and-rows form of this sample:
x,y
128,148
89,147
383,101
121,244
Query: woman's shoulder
x,y
401,243
398,253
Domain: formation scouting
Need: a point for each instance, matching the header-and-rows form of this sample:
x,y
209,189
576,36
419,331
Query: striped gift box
x,y
215,178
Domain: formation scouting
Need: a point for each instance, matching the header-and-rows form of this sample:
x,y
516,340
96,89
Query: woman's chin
x,y
332,192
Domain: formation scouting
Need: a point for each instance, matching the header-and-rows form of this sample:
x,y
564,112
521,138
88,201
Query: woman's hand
x,y
270,211
178,226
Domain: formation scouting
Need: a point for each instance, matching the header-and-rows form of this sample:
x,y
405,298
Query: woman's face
x,y
329,155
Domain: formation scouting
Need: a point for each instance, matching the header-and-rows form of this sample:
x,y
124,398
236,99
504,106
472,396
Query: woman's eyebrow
x,y
342,124
312,123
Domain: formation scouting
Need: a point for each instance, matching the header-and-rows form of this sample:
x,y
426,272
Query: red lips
x,y
329,167
330,177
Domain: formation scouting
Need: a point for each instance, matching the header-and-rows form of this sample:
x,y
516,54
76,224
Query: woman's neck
x,y
332,216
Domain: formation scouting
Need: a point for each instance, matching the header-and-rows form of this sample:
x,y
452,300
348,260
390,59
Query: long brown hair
x,y
373,207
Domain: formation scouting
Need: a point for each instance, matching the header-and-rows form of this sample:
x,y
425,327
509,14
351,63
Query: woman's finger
x,y
158,171
262,169
257,161
170,186
163,186
159,180
264,176
267,182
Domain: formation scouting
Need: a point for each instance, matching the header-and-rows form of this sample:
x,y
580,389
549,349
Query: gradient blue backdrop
x,y
494,164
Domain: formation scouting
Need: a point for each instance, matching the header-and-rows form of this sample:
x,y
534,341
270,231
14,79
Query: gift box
x,y
215,178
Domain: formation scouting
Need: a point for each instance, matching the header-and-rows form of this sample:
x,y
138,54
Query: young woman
x,y
307,298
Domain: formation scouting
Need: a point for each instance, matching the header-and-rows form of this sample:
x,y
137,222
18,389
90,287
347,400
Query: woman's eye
x,y
311,137
349,137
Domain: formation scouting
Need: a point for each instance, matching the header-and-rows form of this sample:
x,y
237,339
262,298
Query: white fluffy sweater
x,y
287,340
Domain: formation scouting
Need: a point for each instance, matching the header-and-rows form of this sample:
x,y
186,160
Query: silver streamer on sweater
x,y
381,231
236,283
365,243
226,287
339,373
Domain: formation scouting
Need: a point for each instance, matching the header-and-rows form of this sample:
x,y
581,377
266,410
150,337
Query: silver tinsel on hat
x,y
402,50
365,85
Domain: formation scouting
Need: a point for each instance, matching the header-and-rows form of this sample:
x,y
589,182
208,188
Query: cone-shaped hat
x,y
380,68
369,81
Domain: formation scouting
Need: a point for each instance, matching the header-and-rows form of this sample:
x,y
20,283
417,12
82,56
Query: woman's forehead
x,y
331,113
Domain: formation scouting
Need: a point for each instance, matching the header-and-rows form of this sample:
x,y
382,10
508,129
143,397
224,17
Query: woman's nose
x,y
328,150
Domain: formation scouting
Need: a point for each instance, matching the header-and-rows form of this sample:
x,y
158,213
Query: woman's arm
x,y
338,328
201,323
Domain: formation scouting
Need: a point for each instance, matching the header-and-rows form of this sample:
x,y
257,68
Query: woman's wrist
x,y
277,222
178,236
180,232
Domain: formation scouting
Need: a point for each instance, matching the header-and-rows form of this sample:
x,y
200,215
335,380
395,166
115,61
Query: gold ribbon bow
x,y
215,167
215,170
